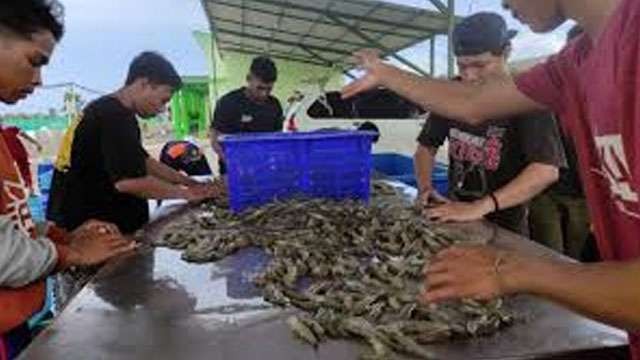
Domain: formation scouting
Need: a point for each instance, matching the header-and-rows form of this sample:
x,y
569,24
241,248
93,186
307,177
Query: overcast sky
x,y
103,36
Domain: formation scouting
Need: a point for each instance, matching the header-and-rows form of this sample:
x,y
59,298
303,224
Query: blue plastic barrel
x,y
400,168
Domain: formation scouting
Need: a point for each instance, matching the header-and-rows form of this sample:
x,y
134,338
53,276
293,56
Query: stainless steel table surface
x,y
153,305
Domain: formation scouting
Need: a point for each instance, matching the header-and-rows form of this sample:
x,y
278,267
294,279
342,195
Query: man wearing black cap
x,y
502,159
250,108
592,85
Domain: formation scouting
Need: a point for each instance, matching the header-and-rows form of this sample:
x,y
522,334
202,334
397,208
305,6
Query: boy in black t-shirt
x,y
111,176
248,109
502,159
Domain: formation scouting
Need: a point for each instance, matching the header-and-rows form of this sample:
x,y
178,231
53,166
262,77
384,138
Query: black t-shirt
x,y
483,159
106,148
236,113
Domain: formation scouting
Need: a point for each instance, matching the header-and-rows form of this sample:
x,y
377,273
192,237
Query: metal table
x,y
153,305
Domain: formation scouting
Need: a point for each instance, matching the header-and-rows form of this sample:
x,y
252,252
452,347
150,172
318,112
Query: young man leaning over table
x,y
512,159
592,85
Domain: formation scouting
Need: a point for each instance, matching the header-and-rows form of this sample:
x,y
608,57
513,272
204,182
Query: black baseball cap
x,y
480,33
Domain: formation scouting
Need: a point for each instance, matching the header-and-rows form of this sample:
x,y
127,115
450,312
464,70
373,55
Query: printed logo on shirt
x,y
246,119
615,168
17,206
472,156
477,150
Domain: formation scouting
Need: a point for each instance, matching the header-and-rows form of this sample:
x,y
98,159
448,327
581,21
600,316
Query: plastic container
x,y
440,178
400,168
45,174
396,167
322,164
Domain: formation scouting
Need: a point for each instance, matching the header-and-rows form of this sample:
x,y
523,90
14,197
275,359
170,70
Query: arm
x,y
22,259
496,98
423,162
159,170
433,134
607,292
150,187
226,120
534,179
215,143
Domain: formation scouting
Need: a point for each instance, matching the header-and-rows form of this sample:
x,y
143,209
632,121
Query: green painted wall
x,y
190,108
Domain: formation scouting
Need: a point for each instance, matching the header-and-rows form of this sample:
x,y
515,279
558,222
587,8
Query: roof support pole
x,y
452,25
432,55
374,43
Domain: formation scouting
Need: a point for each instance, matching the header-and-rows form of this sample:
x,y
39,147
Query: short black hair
x,y
26,17
575,31
264,69
155,68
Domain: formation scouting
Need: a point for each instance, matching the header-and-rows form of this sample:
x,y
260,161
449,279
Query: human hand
x,y
460,211
96,242
369,61
98,227
429,198
465,272
203,191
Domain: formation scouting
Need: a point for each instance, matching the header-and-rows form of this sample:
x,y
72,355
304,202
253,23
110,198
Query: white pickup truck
x,y
399,122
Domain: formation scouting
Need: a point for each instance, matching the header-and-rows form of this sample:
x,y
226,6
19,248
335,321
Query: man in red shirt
x,y
593,86
13,138
29,31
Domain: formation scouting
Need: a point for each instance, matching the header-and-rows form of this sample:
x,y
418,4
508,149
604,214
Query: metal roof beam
x,y
345,72
313,26
442,21
372,10
278,24
285,32
266,39
322,58
441,6
307,19
261,50
273,55
376,44
315,54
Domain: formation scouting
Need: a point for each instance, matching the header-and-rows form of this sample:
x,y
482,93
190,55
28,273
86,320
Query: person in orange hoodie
x,y
29,31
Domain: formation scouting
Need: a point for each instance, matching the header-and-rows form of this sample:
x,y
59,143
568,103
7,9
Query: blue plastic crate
x,y
266,167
